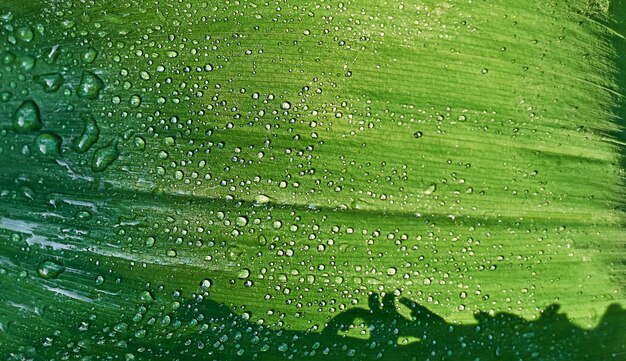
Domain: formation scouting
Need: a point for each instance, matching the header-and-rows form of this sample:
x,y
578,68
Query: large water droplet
x,y
146,297
50,82
50,269
90,135
27,117
430,189
205,284
26,63
104,157
48,144
90,85
89,56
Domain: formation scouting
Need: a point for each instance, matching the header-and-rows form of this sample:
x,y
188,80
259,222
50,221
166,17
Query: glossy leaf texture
x,y
361,180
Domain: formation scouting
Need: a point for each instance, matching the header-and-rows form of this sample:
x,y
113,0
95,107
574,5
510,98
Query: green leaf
x,y
360,180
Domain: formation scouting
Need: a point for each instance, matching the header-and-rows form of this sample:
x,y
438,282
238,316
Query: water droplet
x,y
50,82
135,101
5,96
121,327
48,144
90,135
241,221
139,142
25,34
205,284
146,297
430,189
27,117
262,199
285,105
26,63
104,157
90,85
53,53
50,269
83,215
89,56
8,58
418,134
243,273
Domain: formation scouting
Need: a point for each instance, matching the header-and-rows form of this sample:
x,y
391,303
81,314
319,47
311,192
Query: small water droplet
x,y
285,105
5,96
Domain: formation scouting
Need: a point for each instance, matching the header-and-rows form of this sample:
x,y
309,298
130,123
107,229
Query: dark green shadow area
x,y
207,330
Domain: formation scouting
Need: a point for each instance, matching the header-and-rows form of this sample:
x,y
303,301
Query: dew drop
x,y
205,284
104,157
145,297
89,56
241,221
262,199
27,117
48,144
5,96
135,101
90,135
50,269
50,82
243,273
90,85
26,63
25,34
430,189
139,142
